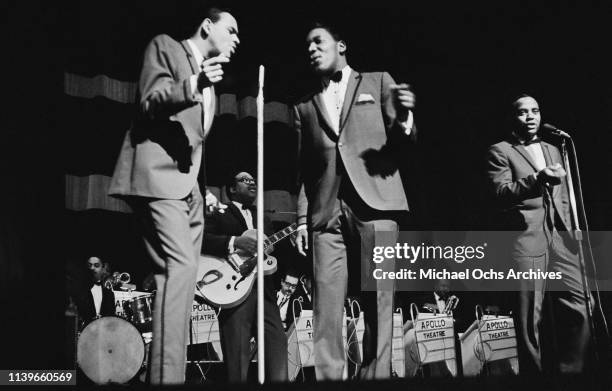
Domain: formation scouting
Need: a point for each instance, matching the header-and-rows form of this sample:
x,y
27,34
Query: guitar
x,y
227,282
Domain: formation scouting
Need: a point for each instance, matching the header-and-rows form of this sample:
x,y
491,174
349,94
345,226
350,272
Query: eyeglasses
x,y
289,284
246,181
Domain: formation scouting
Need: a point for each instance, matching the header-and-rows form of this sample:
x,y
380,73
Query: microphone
x,y
555,131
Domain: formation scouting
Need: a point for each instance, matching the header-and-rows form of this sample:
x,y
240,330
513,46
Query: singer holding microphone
x,y
528,180
158,166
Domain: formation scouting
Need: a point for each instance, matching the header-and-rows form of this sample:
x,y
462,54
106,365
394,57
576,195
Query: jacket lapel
x,y
195,68
547,156
520,148
349,97
238,216
324,118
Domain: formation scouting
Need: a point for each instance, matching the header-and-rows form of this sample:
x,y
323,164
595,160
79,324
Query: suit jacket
x,y
86,307
220,227
366,152
162,151
510,169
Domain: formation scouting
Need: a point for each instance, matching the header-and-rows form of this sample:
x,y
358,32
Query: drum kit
x,y
114,349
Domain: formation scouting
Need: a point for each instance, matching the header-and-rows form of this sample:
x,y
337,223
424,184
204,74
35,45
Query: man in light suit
x,y
157,172
223,235
352,131
528,180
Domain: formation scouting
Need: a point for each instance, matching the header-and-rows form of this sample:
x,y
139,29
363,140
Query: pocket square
x,y
365,98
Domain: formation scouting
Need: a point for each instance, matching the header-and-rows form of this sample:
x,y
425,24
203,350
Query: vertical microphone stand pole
x,y
260,234
578,234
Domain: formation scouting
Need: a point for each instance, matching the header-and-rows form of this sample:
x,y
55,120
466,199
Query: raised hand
x,y
403,99
212,71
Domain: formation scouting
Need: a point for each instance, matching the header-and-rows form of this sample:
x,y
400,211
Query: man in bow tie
x,y
223,236
528,180
158,166
95,299
353,130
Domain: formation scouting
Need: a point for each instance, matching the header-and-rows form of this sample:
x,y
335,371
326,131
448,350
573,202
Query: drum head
x,y
110,350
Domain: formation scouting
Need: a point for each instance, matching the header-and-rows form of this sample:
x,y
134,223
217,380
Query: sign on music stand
x,y
491,338
300,343
434,338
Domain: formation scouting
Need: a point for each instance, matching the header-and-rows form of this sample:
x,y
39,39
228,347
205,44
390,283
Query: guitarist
x,y
222,236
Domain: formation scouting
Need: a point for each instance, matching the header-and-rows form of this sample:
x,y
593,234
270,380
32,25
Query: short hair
x,y
333,30
291,272
231,181
198,11
214,13
521,96
103,260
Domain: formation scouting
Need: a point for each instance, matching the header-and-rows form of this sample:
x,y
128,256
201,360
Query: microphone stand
x,y
578,234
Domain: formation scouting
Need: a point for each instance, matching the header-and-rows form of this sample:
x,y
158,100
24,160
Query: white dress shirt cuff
x,y
407,125
230,245
301,227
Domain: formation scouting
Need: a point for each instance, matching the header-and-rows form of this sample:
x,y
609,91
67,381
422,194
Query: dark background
x,y
465,61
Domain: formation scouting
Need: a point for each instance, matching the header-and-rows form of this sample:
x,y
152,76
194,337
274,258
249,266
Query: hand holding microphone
x,y
551,174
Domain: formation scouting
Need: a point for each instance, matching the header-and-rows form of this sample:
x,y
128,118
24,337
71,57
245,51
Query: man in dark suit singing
x,y
157,172
352,131
528,180
223,236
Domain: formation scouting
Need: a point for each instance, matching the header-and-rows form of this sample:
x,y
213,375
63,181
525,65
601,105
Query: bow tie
x,y
336,76
99,283
532,141
247,207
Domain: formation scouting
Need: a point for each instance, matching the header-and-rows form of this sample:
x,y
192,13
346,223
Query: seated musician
x,y
284,295
223,234
95,297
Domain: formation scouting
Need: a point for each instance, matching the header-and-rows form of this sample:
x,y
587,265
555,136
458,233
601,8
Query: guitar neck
x,y
280,235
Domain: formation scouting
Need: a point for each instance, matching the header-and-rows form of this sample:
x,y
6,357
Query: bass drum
x,y
110,350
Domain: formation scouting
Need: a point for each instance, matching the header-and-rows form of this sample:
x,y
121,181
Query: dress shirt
x,y
96,293
535,152
282,301
334,93
440,303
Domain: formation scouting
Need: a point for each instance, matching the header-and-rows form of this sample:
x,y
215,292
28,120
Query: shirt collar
x,y
522,140
346,71
196,52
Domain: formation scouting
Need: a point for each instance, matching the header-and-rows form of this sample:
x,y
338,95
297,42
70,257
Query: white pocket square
x,y
363,98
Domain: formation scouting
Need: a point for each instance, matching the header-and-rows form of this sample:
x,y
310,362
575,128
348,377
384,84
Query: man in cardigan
x,y
352,131
157,172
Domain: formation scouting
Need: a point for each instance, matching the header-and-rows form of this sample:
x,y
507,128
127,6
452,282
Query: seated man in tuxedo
x,y
284,296
222,236
95,297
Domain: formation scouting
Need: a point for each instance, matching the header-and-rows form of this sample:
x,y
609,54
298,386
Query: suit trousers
x,y
172,232
238,324
566,333
341,252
